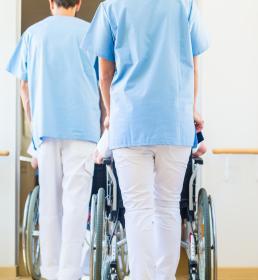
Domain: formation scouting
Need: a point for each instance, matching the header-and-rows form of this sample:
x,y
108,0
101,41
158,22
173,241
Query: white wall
x,y
8,134
230,108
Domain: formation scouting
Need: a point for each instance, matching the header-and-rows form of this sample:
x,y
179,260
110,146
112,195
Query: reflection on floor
x,y
181,273
19,278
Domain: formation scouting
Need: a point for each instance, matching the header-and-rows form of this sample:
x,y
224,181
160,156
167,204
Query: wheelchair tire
x,y
99,234
214,240
106,273
32,246
93,213
204,236
24,230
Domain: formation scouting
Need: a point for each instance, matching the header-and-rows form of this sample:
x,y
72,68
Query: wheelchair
x,y
30,235
108,253
199,225
107,241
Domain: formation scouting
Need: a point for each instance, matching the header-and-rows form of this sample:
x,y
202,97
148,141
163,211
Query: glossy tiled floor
x,y
21,278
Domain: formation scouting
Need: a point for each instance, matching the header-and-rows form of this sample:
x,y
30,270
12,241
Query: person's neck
x,y
60,11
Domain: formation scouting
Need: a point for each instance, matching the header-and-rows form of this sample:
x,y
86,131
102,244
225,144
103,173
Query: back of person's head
x,y
67,3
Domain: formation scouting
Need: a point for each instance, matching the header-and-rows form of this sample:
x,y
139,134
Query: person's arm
x,y
25,99
103,114
197,117
106,75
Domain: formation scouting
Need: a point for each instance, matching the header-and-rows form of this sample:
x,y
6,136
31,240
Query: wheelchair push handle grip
x,y
235,151
198,160
4,153
107,161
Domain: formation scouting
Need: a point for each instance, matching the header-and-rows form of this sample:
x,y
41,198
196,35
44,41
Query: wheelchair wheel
x,y
24,229
106,273
93,212
204,237
214,240
32,246
99,234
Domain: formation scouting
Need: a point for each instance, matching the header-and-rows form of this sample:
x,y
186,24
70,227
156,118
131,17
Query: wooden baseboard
x,y
8,272
234,273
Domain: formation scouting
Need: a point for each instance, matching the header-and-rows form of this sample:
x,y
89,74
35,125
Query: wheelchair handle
x,y
107,161
4,153
235,151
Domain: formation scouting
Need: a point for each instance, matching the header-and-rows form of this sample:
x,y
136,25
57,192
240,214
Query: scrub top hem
x,y
141,144
42,139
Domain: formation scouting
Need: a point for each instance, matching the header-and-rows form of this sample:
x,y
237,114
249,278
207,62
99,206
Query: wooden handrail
x,y
4,153
235,151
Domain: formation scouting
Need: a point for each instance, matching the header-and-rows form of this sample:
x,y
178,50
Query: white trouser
x,y
65,177
151,180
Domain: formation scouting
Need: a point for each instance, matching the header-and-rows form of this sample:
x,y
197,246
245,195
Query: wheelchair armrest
x,y
198,160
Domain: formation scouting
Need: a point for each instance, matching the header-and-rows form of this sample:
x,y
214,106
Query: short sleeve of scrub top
x,y
100,35
199,36
18,62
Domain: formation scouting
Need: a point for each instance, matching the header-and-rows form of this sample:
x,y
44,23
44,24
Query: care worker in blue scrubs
x,y
148,52
60,95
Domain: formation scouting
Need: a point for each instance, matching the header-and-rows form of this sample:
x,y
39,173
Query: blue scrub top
x,y
152,43
64,95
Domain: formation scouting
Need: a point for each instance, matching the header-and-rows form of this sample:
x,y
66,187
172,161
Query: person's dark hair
x,y
66,3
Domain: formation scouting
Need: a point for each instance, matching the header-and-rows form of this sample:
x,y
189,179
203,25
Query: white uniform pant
x,y
151,180
65,177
